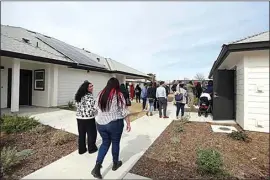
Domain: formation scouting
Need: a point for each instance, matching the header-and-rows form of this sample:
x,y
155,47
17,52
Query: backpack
x,y
179,97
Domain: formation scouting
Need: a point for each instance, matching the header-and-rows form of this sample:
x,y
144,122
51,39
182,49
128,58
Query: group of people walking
x,y
156,95
105,114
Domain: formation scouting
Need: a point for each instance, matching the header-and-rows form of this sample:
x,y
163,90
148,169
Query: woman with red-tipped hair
x,y
112,110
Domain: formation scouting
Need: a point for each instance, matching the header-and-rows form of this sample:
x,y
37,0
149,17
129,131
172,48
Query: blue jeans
x,y
111,134
144,103
180,106
151,107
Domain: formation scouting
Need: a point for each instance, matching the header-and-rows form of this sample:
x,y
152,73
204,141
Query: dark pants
x,y
156,104
180,106
87,126
162,105
138,98
111,134
144,103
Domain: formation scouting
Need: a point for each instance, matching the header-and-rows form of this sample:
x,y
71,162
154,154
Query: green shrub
x,y
71,105
13,124
209,161
11,157
196,101
239,135
61,137
39,129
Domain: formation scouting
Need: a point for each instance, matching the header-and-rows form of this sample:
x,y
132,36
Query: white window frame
x,y
39,80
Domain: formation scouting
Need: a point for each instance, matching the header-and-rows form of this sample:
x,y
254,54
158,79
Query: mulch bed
x,y
44,152
173,154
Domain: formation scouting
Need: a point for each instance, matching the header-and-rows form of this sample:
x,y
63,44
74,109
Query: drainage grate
x,y
224,129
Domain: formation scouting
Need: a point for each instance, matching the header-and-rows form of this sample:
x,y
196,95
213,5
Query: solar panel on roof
x,y
70,52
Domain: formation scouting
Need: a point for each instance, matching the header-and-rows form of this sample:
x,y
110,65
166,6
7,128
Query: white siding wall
x,y
257,104
4,84
240,93
39,98
69,81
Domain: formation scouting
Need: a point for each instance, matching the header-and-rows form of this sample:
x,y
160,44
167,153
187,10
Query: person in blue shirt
x,y
144,96
209,88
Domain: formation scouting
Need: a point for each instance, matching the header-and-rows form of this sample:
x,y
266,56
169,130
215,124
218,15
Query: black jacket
x,y
151,92
139,90
167,90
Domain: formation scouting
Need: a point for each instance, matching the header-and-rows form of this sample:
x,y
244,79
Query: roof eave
x,y
226,49
130,74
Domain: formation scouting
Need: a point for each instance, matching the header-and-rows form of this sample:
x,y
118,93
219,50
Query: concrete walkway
x,y
144,132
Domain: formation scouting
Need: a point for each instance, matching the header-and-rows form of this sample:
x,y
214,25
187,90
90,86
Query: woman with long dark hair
x,y
112,111
86,118
138,91
124,91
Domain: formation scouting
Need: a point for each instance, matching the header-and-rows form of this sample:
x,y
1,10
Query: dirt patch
x,y
135,111
173,154
44,152
170,97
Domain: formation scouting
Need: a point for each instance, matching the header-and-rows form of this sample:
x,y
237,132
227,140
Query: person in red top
x,y
132,92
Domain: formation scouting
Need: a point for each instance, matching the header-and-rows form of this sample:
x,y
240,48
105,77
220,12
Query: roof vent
x,y
26,40
88,51
98,59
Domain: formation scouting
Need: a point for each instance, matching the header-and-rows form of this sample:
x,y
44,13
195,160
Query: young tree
x,y
199,76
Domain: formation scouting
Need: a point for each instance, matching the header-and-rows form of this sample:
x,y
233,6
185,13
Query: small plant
x,y
185,119
196,101
61,137
39,129
14,124
11,157
175,140
209,161
239,135
179,128
71,105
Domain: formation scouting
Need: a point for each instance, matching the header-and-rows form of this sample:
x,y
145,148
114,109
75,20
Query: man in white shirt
x,y
162,99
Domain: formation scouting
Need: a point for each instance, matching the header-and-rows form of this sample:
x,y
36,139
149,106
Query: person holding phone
x,y
111,113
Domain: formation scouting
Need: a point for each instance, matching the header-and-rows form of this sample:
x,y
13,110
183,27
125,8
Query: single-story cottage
x,y
38,70
241,83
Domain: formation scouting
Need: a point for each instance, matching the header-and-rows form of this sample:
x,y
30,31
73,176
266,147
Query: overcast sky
x,y
172,39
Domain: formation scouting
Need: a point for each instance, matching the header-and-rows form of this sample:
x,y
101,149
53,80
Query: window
x,y
39,80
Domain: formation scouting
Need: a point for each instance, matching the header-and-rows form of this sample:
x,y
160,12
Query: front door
x,y
25,87
223,98
25,97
